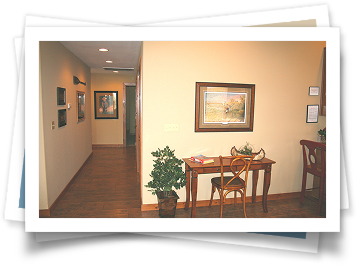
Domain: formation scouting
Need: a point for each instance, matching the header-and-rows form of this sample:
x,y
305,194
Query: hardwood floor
x,y
107,187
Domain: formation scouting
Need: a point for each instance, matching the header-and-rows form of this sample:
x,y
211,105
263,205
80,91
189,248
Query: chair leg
x,y
221,201
303,188
235,199
245,213
212,192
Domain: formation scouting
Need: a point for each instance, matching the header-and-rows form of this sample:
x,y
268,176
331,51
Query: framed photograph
x,y
312,114
314,90
62,118
61,96
224,107
106,104
81,106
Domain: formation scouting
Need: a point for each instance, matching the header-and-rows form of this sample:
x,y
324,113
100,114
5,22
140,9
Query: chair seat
x,y
236,183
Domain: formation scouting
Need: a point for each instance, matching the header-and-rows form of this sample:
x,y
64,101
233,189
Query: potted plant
x,y
167,173
322,135
247,149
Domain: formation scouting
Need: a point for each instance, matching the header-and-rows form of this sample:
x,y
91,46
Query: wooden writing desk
x,y
194,169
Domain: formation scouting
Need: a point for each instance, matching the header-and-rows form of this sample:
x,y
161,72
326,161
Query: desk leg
x,y
267,176
255,182
188,181
194,193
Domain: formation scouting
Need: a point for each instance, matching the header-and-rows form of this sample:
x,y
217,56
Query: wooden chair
x,y
227,184
313,166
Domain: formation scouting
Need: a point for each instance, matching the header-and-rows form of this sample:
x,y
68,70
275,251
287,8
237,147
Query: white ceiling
x,y
124,54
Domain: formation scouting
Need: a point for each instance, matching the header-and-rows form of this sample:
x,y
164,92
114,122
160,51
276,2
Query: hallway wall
x,y
64,149
109,131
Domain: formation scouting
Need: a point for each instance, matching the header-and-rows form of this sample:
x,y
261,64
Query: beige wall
x,y
109,131
282,73
62,150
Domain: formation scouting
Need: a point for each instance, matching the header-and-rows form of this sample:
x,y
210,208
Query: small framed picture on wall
x,y
62,118
314,91
80,106
312,114
61,96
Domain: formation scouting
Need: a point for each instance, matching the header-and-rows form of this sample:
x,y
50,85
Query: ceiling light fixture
x,y
117,69
109,61
103,50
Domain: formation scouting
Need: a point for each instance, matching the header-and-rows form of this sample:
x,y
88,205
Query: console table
x,y
193,169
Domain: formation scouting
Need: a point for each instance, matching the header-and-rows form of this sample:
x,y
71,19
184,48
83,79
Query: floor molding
x,y
107,145
204,203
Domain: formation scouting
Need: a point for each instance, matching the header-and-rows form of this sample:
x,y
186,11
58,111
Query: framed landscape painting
x,y
106,104
224,107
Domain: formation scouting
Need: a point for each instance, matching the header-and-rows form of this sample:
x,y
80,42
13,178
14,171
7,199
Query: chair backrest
x,y
311,164
243,161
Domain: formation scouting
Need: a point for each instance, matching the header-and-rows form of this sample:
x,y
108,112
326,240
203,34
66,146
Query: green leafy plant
x,y
246,149
167,172
322,132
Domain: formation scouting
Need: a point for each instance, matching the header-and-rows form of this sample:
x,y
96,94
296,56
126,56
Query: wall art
x,y
81,106
224,107
62,118
106,104
61,96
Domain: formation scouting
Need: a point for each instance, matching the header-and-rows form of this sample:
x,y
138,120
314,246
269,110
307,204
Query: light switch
x,y
53,125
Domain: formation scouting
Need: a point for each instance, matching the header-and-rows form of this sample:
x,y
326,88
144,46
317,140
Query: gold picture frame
x,y
224,107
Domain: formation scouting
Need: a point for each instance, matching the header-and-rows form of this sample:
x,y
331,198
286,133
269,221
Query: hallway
x,y
105,188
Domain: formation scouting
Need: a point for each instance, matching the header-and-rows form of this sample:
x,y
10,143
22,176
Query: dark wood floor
x,y
107,187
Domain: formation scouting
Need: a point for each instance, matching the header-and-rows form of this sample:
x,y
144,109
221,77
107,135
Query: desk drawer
x,y
216,169
211,170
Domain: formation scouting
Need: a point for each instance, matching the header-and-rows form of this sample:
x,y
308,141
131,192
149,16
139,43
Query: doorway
x,y
129,114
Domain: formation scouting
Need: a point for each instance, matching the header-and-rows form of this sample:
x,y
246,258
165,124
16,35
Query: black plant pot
x,y
167,205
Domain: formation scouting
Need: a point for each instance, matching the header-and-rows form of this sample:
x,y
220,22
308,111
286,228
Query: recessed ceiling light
x,y
115,71
103,50
109,61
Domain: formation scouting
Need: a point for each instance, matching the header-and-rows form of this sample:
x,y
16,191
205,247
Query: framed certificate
x,y
314,91
312,114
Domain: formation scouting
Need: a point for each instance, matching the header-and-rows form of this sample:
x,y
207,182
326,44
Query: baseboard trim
x,y
204,203
48,212
107,145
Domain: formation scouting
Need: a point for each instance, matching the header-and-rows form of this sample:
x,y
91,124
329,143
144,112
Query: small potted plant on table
x,y
322,135
167,173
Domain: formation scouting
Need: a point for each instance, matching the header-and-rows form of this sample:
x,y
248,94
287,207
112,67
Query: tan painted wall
x,y
282,73
65,149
